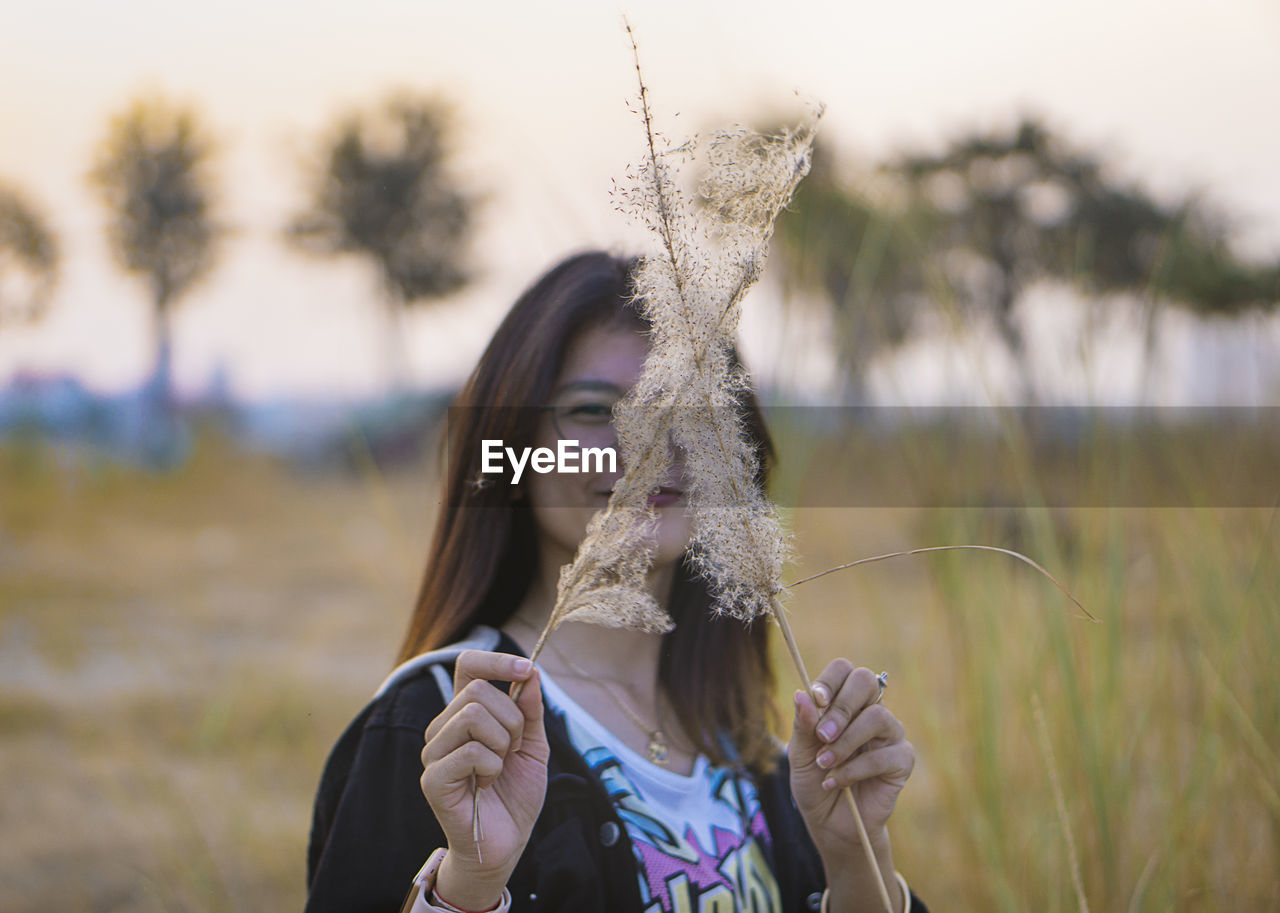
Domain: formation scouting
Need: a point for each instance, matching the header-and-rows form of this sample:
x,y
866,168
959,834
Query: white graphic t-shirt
x,y
699,840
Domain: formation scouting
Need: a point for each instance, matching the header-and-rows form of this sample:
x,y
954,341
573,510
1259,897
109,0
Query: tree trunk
x,y
160,445
395,351
160,384
1151,309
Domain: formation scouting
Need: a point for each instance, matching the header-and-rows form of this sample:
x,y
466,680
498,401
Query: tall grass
x,y
179,652
1164,719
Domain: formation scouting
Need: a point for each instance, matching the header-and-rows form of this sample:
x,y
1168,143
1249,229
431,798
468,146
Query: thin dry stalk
x,y
1263,756
1144,878
948,548
1046,748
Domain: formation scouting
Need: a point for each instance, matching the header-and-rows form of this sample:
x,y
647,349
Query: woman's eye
x,y
593,413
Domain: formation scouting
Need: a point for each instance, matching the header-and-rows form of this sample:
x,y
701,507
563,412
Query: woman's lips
x,y
665,497
662,497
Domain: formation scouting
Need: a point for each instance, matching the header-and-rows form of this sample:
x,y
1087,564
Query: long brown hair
x,y
715,670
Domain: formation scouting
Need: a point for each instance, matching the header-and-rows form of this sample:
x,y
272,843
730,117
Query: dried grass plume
x,y
707,253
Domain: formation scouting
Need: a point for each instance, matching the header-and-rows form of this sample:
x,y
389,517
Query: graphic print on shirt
x,y
678,874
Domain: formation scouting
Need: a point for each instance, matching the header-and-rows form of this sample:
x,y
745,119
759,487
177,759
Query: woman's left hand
x,y
849,740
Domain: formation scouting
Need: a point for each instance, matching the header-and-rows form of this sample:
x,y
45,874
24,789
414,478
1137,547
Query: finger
x,y
473,723
874,726
804,746
855,690
454,771
892,762
478,691
828,683
473,665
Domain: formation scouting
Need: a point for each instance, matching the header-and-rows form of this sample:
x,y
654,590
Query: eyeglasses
x,y
584,413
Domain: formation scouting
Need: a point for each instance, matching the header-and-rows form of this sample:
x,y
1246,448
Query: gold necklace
x,y
657,748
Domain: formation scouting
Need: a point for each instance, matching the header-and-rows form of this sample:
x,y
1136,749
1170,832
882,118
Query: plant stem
x,y
780,616
1046,748
947,548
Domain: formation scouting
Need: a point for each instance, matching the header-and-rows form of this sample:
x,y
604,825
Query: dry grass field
x,y
178,652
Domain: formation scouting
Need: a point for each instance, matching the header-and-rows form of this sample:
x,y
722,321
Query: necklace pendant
x,y
657,748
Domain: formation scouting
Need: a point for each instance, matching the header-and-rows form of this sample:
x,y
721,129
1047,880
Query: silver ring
x,y
883,681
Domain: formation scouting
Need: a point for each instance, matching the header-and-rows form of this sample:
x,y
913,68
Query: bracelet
x,y
422,896
439,903
902,883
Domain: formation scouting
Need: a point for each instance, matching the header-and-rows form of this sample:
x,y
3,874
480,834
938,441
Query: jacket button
x,y
814,901
609,833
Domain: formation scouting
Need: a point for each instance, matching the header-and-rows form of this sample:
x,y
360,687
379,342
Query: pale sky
x,y
1184,95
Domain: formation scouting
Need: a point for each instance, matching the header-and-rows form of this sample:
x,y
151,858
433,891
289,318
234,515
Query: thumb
x,y
805,745
534,739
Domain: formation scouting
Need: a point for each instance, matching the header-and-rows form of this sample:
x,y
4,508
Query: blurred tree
x,y
29,259
863,261
152,172
383,190
977,224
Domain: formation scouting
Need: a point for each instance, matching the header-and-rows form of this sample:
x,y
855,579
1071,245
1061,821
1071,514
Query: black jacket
x,y
372,828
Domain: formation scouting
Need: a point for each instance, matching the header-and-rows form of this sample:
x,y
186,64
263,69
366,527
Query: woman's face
x,y
600,366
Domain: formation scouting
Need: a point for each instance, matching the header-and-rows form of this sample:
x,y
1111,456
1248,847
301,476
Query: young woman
x,y
636,772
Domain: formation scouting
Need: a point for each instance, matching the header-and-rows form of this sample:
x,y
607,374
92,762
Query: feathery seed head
x,y
687,399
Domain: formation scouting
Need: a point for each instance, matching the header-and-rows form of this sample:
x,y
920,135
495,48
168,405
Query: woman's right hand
x,y
484,739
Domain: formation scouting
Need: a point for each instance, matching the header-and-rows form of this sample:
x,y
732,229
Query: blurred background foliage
x,y
29,259
968,230
383,190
